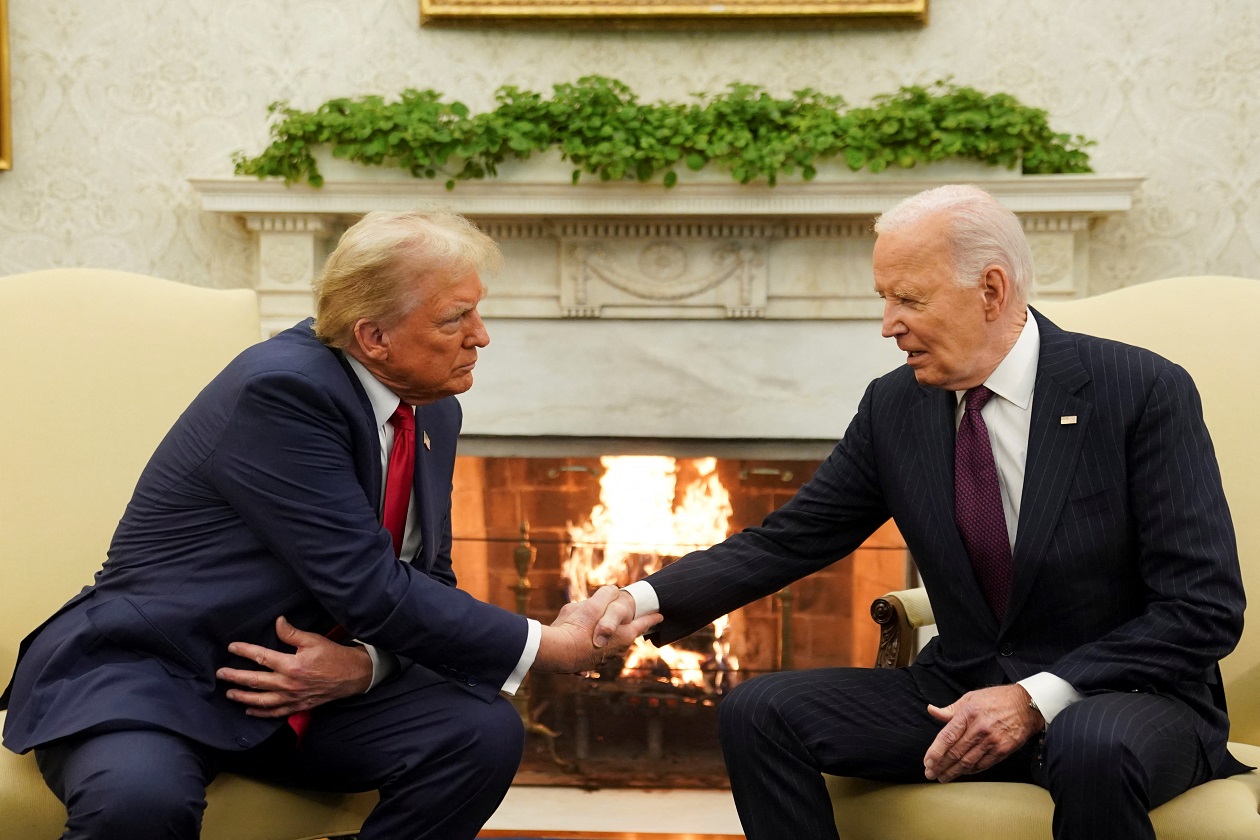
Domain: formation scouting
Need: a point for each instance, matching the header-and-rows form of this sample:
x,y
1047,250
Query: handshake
x,y
587,633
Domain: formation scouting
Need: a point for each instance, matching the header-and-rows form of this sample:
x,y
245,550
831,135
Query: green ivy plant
x,y
600,126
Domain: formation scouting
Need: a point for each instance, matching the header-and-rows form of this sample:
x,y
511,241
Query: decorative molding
x,y
860,196
698,251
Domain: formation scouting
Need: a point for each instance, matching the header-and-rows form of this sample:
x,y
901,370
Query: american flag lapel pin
x,y
1065,420
427,446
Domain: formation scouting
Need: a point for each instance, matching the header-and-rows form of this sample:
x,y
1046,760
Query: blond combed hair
x,y
383,264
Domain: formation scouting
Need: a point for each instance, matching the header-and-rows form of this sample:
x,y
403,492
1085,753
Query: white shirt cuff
x,y
1051,694
645,600
384,664
533,638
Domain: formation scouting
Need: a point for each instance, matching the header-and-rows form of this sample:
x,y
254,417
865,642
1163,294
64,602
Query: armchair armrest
x,y
898,614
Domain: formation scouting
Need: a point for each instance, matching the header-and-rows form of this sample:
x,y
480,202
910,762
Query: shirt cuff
x,y
533,637
384,664
1051,694
645,600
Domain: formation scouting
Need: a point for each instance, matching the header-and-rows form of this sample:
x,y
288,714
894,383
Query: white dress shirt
x,y
1009,419
384,402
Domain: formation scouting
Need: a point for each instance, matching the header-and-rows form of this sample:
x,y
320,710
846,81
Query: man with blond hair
x,y
307,486
1061,498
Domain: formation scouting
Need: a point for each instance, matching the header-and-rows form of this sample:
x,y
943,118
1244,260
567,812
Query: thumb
x,y
944,715
290,635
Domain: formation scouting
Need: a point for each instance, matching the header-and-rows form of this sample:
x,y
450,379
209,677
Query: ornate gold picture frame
x,y
643,13
6,132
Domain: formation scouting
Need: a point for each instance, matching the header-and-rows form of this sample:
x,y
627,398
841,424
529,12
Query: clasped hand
x,y
587,633
981,728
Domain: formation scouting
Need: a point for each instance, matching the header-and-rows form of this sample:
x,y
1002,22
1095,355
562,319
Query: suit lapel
x,y
425,499
1054,447
372,486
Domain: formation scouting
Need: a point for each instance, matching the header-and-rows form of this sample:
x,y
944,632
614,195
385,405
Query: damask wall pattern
x,y
116,103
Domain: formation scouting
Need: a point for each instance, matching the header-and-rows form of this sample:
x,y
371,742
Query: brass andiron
x,y
523,557
785,597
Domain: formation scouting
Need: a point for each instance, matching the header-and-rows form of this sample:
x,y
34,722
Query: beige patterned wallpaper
x,y
117,102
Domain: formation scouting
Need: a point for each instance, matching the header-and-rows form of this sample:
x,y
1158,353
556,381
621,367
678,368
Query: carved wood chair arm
x,y
898,614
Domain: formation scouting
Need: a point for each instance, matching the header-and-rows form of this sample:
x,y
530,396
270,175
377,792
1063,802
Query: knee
x,y
493,735
751,706
1077,747
134,802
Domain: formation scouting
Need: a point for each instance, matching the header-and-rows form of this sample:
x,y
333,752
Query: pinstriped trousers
x,y
1106,760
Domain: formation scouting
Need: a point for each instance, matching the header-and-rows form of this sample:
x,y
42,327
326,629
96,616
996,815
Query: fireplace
x,y
724,321
530,533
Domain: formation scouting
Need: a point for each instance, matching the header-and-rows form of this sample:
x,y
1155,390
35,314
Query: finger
x,y
967,748
603,596
290,635
943,714
937,759
644,623
277,712
255,680
976,759
619,612
259,699
272,660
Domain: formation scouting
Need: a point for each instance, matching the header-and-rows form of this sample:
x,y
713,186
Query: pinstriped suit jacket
x,y
1126,568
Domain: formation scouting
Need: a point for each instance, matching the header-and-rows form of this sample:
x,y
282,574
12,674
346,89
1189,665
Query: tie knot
x,y
403,418
977,397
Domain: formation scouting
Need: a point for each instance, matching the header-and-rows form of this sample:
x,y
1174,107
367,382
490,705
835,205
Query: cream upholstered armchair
x,y
1205,325
97,366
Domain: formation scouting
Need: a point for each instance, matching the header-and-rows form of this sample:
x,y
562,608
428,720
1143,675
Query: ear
x,y
998,293
373,341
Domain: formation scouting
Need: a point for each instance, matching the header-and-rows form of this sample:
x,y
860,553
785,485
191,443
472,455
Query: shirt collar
x,y
384,401
1015,376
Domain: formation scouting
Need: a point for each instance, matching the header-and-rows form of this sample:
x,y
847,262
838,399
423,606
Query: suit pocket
x,y
1092,502
126,625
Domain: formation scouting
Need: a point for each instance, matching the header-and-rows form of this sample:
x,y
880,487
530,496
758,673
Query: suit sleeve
x,y
829,517
284,463
1187,556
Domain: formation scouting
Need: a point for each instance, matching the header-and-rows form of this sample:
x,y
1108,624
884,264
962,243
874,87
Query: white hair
x,y
981,232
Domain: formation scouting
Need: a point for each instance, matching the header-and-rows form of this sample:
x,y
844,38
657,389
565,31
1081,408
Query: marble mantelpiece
x,y
707,311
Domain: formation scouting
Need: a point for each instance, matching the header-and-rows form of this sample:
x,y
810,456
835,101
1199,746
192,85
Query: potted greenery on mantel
x,y
599,126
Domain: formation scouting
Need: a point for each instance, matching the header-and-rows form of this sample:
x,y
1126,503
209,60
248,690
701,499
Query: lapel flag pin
x,y
1065,420
426,436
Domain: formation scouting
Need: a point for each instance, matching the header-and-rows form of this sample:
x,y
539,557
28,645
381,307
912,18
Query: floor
x,y
643,811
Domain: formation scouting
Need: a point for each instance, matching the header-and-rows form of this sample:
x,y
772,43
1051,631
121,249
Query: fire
x,y
636,526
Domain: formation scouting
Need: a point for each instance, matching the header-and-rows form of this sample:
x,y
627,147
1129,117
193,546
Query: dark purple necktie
x,y
978,504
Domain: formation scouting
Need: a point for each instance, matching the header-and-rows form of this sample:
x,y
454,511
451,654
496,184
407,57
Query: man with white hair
x,y
1061,497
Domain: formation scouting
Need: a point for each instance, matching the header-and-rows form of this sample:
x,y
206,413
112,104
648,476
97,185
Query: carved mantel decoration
x,y
699,251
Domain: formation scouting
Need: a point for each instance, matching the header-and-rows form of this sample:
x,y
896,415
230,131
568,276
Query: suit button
x,y
1006,649
472,681
243,742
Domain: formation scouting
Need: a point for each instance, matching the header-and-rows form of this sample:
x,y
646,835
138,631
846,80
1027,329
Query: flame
x,y
633,528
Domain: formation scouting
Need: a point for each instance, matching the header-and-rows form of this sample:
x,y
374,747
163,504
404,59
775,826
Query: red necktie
x,y
402,464
978,504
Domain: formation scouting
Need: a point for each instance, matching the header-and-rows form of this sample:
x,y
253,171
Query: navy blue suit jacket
x,y
261,501
1126,573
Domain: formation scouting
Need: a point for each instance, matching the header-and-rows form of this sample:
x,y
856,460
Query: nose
x,y
891,326
477,336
